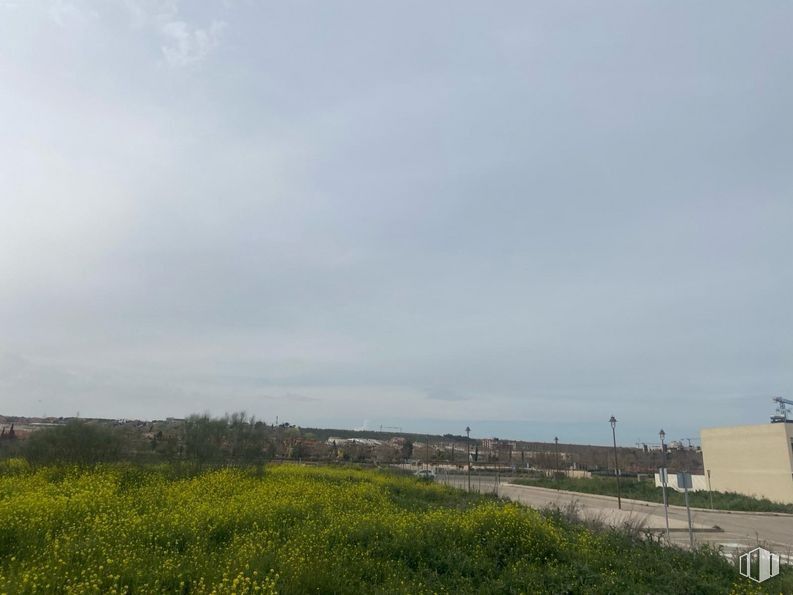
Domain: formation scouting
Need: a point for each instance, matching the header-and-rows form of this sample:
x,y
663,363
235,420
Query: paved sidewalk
x,y
730,531
607,513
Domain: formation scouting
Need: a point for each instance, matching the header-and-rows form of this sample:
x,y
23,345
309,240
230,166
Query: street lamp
x,y
613,422
662,435
556,442
468,447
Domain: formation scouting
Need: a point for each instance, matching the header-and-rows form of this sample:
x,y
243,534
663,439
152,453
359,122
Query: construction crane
x,y
781,410
690,445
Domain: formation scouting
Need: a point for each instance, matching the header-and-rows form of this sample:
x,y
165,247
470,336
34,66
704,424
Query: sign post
x,y
684,481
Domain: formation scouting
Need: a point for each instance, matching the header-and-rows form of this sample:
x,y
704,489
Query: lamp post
x,y
556,442
662,435
613,422
468,448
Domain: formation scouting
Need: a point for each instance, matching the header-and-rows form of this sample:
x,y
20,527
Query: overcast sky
x,y
519,216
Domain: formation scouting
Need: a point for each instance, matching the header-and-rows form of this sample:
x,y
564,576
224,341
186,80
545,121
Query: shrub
x,y
76,442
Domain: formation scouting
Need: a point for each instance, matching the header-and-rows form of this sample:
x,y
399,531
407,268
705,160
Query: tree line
x,y
202,439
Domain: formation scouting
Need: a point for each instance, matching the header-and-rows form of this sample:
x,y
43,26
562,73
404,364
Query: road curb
x,y
551,494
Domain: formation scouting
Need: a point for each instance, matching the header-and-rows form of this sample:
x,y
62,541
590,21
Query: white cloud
x,y
185,44
63,12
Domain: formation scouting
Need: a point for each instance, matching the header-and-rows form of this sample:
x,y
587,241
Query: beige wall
x,y
751,460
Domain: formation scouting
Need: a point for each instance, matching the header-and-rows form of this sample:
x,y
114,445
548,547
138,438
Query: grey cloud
x,y
445,394
292,397
548,207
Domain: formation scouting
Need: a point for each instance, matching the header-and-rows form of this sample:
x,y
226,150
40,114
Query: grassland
x,y
295,529
646,491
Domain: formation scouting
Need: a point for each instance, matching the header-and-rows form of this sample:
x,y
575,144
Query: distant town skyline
x,y
522,218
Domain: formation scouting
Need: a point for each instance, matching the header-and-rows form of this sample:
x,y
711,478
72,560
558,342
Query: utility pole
x,y
468,444
428,452
664,476
710,491
613,422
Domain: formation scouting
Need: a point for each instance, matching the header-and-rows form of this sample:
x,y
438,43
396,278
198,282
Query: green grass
x,y
646,490
295,529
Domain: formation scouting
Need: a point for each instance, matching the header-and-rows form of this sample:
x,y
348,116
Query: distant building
x,y
753,460
361,441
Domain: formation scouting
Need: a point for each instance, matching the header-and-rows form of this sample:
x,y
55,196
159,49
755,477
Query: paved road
x,y
734,531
